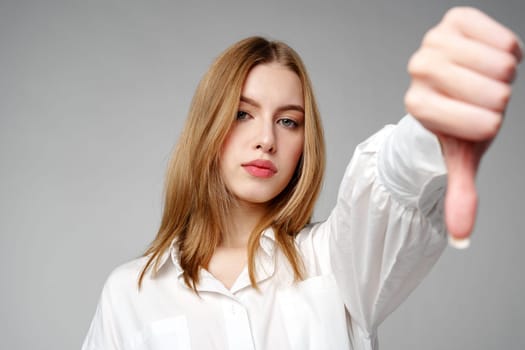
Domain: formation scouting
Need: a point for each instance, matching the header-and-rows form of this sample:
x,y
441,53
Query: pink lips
x,y
260,168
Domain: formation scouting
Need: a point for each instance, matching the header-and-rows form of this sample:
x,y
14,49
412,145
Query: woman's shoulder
x,y
309,229
126,275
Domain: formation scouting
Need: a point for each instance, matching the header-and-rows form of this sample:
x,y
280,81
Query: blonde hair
x,y
197,201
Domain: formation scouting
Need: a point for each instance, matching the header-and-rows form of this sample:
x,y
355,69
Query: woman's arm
x,y
388,227
461,85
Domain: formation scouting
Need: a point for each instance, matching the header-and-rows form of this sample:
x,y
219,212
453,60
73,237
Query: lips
x,y
260,168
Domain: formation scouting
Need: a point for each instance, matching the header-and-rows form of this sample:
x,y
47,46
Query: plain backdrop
x,y
93,95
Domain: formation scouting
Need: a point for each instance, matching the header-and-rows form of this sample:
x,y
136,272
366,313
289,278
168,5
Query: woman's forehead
x,y
273,83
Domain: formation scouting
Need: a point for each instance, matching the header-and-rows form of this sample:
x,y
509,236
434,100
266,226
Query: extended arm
x,y
460,89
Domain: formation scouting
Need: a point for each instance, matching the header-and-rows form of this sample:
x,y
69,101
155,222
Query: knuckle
x,y
502,97
419,63
452,14
410,101
508,68
432,37
510,42
457,14
414,102
493,126
412,63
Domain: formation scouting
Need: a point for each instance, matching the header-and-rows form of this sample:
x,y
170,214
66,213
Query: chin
x,y
257,199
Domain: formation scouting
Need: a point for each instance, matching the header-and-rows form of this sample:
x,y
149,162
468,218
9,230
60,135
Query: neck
x,y
243,219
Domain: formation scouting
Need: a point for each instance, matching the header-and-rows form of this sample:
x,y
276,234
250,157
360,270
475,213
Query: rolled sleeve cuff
x,y
411,167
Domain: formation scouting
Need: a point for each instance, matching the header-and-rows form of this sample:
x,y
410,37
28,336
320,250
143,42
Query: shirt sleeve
x,y
387,229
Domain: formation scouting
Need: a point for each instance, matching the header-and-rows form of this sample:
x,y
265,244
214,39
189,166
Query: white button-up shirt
x,y
383,236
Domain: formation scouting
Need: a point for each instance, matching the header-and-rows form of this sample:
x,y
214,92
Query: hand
x,y
460,88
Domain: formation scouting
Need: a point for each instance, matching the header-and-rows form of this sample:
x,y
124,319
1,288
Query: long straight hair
x,y
197,202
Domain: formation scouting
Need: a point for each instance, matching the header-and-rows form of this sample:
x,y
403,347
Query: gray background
x,y
93,95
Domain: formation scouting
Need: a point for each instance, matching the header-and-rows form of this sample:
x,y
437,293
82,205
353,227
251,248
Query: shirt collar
x,y
171,253
267,243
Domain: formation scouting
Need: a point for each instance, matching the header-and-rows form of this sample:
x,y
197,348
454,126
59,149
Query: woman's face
x,y
263,147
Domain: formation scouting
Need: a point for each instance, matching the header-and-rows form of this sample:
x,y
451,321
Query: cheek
x,y
299,152
227,147
225,155
297,148
295,151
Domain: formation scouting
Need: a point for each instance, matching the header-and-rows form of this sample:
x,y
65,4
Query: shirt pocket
x,y
166,334
314,315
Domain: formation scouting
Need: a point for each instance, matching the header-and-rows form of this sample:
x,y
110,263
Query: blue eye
x,y
242,115
288,123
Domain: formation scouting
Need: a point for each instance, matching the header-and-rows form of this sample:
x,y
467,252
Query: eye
x,y
288,123
242,115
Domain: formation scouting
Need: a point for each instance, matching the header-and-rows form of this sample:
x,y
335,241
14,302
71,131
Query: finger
x,y
448,116
462,160
475,24
477,56
458,82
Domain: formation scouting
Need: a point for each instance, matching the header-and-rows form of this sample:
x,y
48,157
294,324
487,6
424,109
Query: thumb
x,y
462,161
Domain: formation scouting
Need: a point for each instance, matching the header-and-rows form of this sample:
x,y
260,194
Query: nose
x,y
266,138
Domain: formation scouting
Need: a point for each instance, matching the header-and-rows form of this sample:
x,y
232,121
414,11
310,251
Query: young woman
x,y
236,263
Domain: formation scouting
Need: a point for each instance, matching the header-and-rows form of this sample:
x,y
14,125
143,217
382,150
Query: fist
x,y
460,88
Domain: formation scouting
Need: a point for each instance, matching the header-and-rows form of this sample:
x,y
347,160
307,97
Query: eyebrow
x,y
289,107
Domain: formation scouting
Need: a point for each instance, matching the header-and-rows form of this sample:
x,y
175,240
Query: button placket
x,y
238,326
